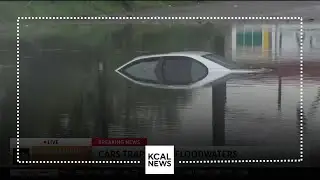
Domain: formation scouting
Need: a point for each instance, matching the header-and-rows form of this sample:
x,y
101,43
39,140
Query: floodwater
x,y
62,93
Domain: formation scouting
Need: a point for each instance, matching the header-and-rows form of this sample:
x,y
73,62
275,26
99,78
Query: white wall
x,y
290,44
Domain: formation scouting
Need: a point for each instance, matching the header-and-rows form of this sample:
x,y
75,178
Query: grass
x,y
33,32
10,10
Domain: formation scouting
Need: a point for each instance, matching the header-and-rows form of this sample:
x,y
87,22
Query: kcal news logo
x,y
159,160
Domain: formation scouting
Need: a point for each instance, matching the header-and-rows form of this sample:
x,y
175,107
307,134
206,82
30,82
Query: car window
x,y
181,70
144,70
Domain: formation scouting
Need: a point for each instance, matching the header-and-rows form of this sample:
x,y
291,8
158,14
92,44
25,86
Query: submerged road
x,y
175,113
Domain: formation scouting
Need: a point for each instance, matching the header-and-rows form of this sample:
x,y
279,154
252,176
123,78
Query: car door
x,y
182,70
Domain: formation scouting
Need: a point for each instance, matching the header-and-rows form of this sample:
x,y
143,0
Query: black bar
x,y
207,172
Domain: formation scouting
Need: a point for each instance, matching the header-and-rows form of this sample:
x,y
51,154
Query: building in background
x,y
272,42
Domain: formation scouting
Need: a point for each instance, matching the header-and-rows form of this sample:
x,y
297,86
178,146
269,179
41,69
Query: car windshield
x,y
221,61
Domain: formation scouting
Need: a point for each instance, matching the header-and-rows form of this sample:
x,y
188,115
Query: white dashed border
x,y
300,159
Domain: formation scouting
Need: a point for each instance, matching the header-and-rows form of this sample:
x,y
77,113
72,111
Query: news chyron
x,y
159,159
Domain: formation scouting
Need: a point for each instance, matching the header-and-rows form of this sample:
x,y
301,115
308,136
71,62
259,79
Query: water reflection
x,y
2,96
314,106
64,94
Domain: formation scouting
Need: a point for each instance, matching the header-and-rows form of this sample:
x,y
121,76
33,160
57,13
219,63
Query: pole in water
x,y
218,114
279,92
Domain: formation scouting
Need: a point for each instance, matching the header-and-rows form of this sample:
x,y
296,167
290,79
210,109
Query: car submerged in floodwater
x,y
180,70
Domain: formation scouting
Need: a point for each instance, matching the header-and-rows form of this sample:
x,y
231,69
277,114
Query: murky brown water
x,y
61,91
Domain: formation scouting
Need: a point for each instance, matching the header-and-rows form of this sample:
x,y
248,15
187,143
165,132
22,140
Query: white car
x,y
180,70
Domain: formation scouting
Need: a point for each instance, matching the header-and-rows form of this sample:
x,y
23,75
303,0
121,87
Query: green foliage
x,y
10,10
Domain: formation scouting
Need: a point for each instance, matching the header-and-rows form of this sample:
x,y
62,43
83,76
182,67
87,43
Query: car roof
x,y
178,53
199,53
